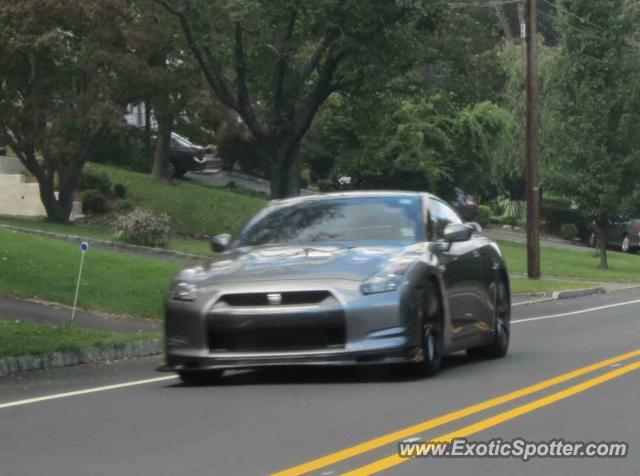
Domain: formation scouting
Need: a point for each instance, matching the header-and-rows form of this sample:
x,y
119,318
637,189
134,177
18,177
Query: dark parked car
x,y
357,278
466,205
622,234
184,155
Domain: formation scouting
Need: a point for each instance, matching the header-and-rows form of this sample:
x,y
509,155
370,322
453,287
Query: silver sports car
x,y
358,278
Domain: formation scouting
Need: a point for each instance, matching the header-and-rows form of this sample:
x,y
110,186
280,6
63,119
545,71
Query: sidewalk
x,y
12,309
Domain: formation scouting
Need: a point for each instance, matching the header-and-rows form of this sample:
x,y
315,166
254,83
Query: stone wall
x,y
20,198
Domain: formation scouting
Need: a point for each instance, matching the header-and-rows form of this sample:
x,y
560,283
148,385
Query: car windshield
x,y
382,218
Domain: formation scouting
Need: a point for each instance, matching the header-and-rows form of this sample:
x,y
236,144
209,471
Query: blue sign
x,y
84,246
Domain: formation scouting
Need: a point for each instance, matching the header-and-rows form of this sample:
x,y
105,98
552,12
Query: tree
x,y
591,138
160,72
430,144
275,62
57,94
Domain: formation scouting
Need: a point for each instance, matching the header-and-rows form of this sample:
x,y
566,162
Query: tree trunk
x,y
147,128
602,244
160,170
58,209
285,169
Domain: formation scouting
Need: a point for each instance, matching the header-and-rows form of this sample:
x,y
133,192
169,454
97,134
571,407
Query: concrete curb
x,y
573,293
27,363
106,243
556,295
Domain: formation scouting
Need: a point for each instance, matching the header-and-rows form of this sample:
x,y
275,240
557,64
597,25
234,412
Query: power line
x,y
583,20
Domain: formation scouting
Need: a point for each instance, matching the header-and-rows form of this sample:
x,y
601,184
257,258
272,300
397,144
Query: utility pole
x,y
531,154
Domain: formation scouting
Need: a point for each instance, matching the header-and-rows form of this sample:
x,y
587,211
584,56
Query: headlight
x,y
388,279
184,291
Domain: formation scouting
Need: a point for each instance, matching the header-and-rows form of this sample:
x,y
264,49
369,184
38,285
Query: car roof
x,y
351,193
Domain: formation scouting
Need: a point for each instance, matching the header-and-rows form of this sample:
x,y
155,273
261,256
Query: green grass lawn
x,y
45,268
177,243
196,210
23,338
524,285
576,265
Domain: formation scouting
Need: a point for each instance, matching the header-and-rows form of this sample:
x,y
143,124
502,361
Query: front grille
x,y
277,339
288,298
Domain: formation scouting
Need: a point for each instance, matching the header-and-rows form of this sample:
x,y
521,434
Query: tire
x,y
200,377
499,347
431,338
625,245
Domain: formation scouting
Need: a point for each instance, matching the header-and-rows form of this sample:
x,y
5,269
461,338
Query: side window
x,y
440,215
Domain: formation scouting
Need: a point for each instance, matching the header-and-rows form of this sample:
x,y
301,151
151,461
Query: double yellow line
x,y
404,433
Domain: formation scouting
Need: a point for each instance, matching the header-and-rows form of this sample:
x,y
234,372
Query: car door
x,y
461,265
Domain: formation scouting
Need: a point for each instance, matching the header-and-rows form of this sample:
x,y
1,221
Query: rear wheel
x,y
431,339
200,377
500,345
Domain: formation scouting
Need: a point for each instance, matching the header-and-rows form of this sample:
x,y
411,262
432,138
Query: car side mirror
x,y
457,232
477,227
220,243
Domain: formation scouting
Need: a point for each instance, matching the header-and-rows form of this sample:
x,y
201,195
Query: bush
x,y
141,227
325,185
120,190
94,201
92,181
558,212
484,212
568,231
511,221
126,205
304,182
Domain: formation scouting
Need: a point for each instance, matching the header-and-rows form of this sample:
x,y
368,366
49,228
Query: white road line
x,y
86,391
573,313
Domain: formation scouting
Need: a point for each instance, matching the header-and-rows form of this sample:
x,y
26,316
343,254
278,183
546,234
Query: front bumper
x,y
375,330
177,363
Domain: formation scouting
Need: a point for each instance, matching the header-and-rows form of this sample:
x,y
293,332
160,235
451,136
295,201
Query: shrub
x,y
126,205
568,231
92,181
484,212
119,190
304,182
93,200
511,221
558,212
141,227
325,185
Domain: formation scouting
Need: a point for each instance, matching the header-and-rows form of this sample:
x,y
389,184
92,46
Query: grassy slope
x,y
198,247
546,285
197,210
22,338
574,264
37,267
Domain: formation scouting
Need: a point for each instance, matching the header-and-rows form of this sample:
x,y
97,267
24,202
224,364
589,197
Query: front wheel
x,y
499,347
431,339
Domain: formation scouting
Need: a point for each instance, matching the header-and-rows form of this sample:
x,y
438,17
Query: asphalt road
x,y
257,423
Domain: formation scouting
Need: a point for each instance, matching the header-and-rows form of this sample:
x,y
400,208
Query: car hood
x,y
268,263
